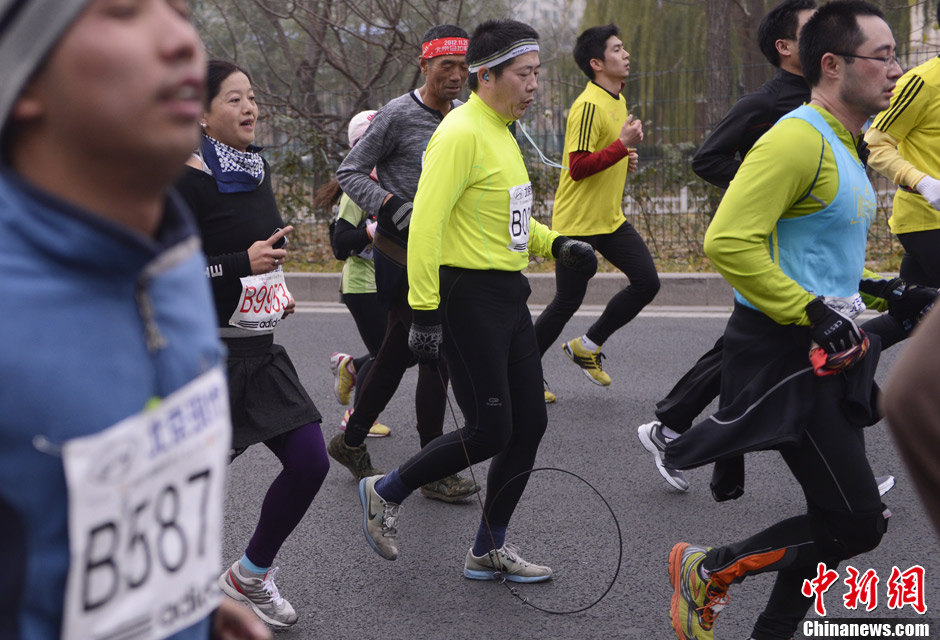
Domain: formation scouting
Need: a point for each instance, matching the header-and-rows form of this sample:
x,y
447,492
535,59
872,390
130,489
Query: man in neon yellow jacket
x,y
471,235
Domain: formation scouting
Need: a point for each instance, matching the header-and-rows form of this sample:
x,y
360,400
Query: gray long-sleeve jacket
x,y
394,144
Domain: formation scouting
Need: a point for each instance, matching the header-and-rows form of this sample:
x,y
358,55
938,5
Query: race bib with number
x,y
145,517
365,254
520,210
263,301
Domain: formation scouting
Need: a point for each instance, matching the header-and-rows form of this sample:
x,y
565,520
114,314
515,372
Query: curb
x,y
677,289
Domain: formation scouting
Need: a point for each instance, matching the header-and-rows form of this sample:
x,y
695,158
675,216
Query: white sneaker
x,y
378,519
885,484
504,562
260,593
652,438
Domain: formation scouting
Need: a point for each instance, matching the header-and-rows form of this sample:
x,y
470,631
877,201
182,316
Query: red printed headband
x,y
444,47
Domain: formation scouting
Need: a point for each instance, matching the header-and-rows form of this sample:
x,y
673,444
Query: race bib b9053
x,y
263,301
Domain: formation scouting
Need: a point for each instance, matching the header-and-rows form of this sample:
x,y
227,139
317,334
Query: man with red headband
x,y
394,144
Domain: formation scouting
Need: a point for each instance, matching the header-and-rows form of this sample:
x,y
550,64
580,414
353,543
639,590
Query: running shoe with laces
x,y
377,430
452,489
379,518
589,361
652,438
505,562
696,602
260,593
344,380
356,459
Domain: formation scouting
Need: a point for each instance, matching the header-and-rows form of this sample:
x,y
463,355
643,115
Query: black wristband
x,y
397,211
425,317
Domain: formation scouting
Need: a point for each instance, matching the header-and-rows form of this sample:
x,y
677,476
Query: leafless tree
x,y
315,63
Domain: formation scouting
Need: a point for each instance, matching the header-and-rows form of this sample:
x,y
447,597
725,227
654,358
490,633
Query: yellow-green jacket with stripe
x,y
904,141
473,205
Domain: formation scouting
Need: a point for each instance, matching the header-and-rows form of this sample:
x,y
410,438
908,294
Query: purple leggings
x,y
303,454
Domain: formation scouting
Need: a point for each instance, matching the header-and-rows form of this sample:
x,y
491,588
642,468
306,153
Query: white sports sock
x,y
704,573
588,344
669,434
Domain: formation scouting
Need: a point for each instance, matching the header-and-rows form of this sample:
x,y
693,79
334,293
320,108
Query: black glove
x,y
911,303
907,303
425,336
831,330
576,255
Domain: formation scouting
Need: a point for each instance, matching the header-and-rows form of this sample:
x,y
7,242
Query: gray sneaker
x,y
356,459
652,438
885,484
504,562
260,593
452,489
378,519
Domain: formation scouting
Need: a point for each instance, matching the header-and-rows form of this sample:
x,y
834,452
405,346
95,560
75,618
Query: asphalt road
x,y
342,589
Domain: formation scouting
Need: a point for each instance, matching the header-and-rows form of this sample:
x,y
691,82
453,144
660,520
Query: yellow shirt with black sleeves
x,y
473,205
775,181
904,141
592,205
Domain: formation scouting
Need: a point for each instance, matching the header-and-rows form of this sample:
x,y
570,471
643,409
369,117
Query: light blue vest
x,y
824,252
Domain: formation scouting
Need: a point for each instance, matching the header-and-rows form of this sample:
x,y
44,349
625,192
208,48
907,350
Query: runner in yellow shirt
x,y
470,237
599,142
903,144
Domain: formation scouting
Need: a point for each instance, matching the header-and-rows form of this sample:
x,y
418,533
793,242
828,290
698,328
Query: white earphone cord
x,y
542,156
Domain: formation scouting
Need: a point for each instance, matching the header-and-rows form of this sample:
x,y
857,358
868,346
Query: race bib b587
x,y
145,517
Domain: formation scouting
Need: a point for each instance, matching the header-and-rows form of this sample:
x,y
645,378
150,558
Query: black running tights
x,y
496,373
626,250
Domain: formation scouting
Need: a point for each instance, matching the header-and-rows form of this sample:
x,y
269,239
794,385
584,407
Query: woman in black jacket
x,y
227,184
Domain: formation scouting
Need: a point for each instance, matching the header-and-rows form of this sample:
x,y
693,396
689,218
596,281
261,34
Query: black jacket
x,y
229,223
719,157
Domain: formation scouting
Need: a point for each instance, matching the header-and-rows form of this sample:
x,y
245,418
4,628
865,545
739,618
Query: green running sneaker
x,y
695,603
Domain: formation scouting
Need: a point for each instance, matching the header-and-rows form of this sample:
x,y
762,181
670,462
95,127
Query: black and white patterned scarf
x,y
233,170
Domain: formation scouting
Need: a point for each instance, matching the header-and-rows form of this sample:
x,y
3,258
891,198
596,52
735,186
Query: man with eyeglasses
x,y
904,149
716,161
790,236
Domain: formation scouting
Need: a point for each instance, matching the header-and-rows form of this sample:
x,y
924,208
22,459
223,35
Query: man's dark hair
x,y
218,71
492,37
833,28
443,31
592,43
780,23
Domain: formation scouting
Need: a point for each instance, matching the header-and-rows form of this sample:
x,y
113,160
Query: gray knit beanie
x,y
29,29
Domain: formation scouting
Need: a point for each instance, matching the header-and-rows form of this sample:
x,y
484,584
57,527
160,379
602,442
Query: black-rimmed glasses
x,y
887,61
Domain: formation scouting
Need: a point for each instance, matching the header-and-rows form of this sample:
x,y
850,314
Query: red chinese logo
x,y
907,588
903,587
824,579
862,589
